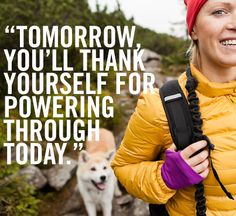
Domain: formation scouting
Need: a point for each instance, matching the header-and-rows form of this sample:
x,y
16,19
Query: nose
x,y
231,25
103,178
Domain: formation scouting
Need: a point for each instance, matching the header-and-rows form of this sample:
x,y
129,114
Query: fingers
x,y
191,149
201,167
197,159
205,173
199,162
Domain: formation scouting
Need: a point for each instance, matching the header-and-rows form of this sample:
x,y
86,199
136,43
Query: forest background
x,y
17,197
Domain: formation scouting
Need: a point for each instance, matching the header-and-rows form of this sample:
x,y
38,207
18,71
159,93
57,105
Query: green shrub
x,y
16,195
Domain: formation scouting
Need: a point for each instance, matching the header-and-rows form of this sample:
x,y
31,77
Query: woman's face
x,y
215,31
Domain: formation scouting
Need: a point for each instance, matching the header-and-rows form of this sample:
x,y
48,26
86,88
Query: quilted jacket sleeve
x,y
134,163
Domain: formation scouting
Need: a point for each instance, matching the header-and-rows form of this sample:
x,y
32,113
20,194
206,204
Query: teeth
x,y
228,42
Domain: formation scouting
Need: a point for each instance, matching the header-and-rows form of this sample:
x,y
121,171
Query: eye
x,y
93,169
219,12
104,167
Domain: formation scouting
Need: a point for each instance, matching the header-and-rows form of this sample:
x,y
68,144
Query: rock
x,y
123,93
22,153
149,55
122,205
58,175
128,112
168,78
74,214
159,80
140,208
33,176
124,200
152,66
124,101
73,206
119,137
151,61
118,210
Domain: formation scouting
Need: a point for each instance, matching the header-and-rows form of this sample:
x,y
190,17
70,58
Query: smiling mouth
x,y
100,186
228,42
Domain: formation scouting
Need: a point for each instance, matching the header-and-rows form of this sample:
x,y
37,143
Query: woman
x,y
212,27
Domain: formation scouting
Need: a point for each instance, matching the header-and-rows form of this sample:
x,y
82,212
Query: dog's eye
x,y
93,169
104,167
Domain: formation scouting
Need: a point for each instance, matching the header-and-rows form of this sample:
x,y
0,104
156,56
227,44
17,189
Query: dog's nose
x,y
103,178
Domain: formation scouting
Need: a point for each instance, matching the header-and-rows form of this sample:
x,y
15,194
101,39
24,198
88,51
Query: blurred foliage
x,y
16,196
172,49
2,135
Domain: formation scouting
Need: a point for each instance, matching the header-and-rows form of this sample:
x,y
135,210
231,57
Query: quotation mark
x,y
76,146
10,30
48,52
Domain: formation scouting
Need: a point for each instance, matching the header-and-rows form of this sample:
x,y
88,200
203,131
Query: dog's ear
x,y
83,156
110,154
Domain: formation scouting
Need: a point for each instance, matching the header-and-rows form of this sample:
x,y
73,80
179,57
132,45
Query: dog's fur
x,y
96,181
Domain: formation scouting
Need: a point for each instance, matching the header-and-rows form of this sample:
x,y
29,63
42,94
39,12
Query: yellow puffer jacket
x,y
147,135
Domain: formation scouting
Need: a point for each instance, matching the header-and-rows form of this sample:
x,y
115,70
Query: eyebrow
x,y
219,3
227,3
222,2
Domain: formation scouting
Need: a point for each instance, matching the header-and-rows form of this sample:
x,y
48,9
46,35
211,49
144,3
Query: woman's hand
x,y
187,167
199,162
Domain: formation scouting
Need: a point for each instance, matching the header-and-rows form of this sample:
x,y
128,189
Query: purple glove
x,y
176,173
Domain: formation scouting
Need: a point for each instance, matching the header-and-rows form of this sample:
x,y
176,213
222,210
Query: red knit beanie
x,y
193,8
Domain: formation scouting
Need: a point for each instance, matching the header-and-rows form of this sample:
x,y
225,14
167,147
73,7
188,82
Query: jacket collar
x,y
212,89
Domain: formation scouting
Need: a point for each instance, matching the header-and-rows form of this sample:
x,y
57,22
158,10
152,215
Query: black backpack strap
x,y
180,124
177,113
158,210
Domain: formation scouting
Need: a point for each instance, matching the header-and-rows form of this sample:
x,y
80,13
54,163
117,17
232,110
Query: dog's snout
x,y
103,178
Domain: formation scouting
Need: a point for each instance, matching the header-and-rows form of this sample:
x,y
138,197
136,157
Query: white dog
x,y
96,181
